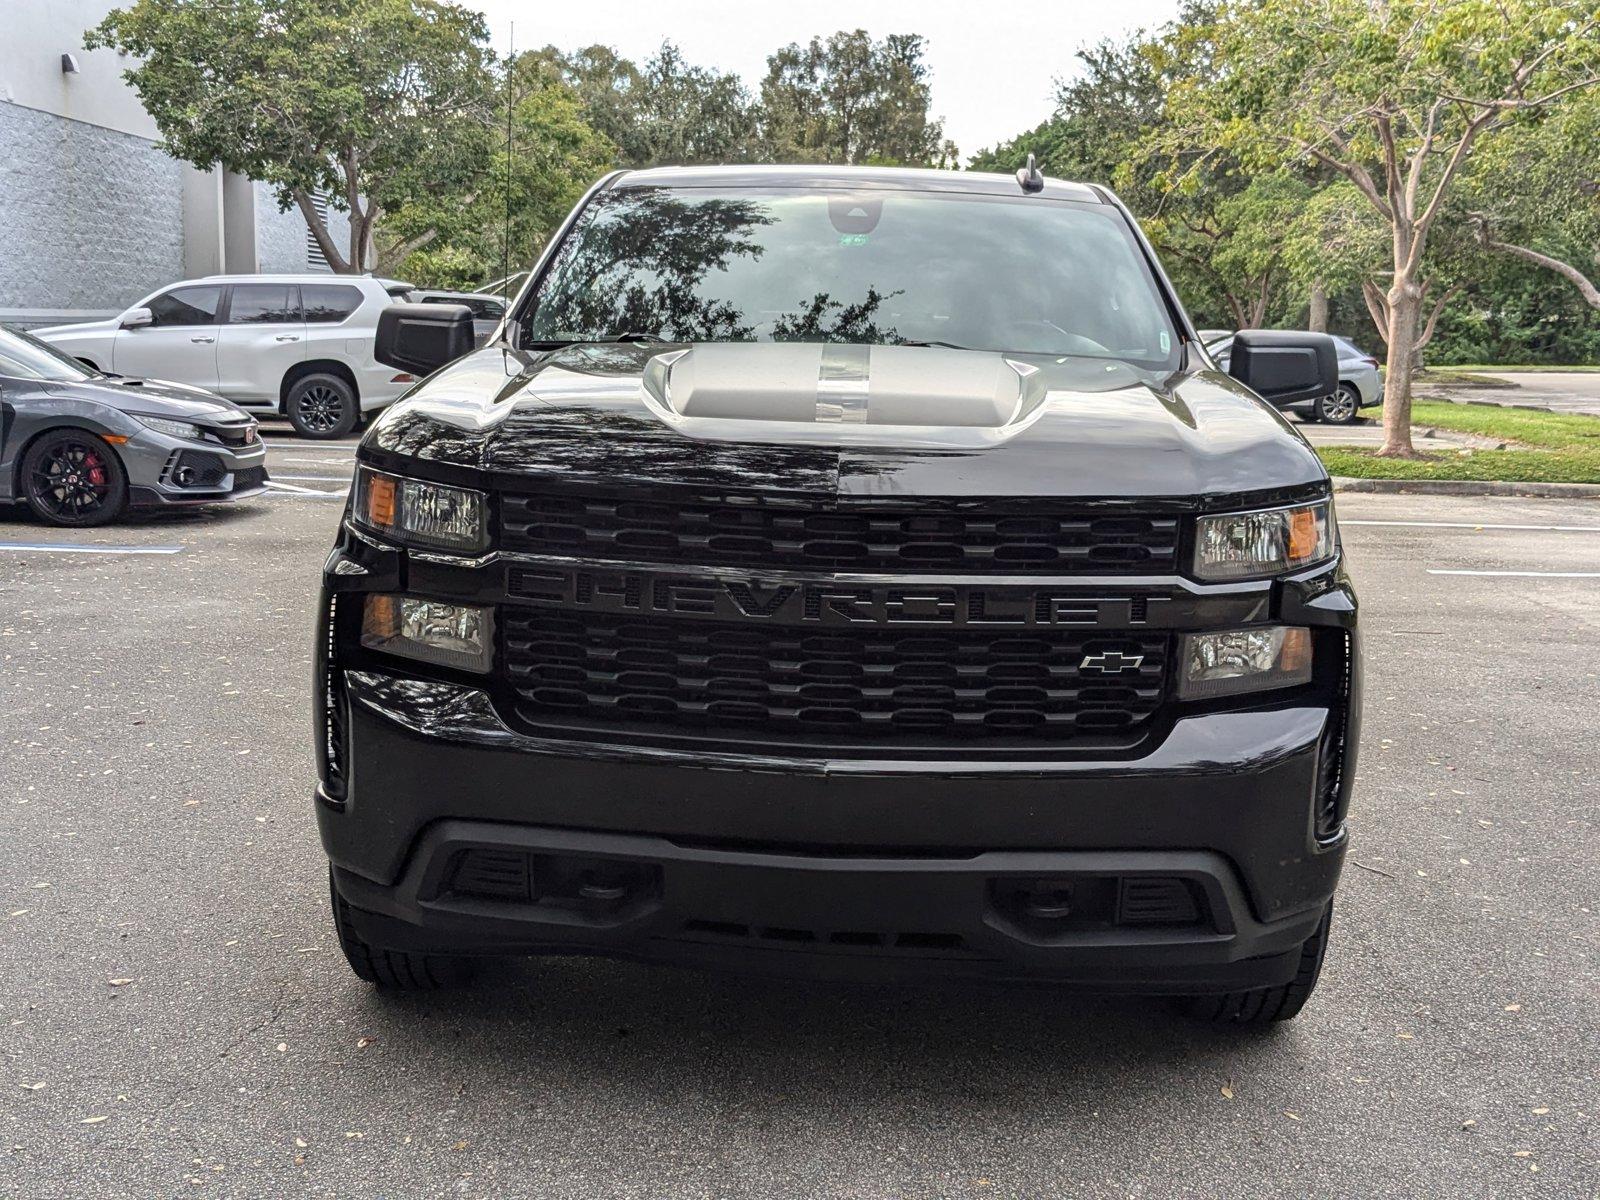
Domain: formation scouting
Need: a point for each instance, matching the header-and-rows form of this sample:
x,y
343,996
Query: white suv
x,y
300,345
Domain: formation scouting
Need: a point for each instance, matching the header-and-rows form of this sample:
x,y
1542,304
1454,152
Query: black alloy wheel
x,y
71,477
322,406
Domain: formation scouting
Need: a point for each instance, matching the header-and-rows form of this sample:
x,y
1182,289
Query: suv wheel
x,y
1343,407
71,477
322,406
1263,1006
400,970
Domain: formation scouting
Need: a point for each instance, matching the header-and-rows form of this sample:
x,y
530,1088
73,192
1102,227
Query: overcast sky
x,y
993,63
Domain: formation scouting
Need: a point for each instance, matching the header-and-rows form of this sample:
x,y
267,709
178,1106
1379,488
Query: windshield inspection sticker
x,y
1166,342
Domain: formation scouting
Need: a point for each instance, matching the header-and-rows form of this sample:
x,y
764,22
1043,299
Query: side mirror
x,y
135,317
1285,366
421,338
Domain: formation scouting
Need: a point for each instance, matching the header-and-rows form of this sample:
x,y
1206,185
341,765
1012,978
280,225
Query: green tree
x,y
1536,196
373,103
1395,96
458,237
668,111
850,99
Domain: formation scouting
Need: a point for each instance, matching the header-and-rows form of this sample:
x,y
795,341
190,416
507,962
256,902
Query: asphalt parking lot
x,y
178,1019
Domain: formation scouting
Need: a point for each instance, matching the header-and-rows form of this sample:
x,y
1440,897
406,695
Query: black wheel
x,y
1341,408
397,969
322,406
72,477
1263,1006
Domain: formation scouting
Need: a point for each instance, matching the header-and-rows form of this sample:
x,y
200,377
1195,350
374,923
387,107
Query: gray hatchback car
x,y
80,447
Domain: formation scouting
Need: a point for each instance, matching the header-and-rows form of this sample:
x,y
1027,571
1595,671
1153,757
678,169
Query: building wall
x,y
91,219
281,236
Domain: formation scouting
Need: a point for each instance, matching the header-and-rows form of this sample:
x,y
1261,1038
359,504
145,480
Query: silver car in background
x,y
80,447
1360,380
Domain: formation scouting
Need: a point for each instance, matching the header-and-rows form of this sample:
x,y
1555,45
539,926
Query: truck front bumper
x,y
1194,868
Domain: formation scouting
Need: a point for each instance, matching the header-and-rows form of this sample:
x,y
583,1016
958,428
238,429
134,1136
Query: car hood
x,y
845,421
154,398
110,325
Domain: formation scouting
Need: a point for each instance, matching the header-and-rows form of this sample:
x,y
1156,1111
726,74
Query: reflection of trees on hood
x,y
638,263
825,319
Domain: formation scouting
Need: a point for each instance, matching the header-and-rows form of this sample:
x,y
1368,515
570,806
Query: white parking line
x,y
69,548
313,478
290,489
1477,525
1522,574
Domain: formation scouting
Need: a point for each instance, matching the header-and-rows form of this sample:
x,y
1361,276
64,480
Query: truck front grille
x,y
832,686
734,531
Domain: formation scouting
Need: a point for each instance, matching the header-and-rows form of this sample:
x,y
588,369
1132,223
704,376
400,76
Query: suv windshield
x,y
1026,275
24,357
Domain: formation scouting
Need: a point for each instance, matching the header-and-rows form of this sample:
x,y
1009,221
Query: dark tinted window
x,y
263,304
329,302
186,306
984,272
482,310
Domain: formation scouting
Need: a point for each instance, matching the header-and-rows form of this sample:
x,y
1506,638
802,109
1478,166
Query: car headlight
x,y
1243,660
448,635
177,429
1248,544
420,513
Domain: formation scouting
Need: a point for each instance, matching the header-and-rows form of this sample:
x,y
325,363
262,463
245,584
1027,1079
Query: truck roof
x,y
825,175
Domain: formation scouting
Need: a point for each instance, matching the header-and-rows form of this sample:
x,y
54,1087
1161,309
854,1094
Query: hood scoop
x,y
832,391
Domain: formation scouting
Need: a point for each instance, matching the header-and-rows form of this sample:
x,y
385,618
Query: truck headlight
x,y
447,635
1248,544
419,513
177,429
1243,660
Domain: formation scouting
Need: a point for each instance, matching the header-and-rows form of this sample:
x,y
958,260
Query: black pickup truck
x,y
855,572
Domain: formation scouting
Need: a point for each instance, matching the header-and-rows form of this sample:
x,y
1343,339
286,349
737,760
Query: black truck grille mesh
x,y
833,684
713,533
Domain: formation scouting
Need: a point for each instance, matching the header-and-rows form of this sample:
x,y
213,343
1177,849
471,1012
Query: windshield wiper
x,y
931,342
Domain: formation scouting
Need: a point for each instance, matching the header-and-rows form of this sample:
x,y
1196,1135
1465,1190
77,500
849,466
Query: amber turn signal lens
x,y
380,619
1303,534
381,491
1295,657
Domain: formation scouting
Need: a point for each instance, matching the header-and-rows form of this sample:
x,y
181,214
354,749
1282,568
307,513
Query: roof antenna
x,y
1030,178
511,81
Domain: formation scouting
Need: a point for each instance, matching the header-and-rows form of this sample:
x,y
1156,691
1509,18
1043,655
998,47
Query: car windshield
x,y
24,357
1017,274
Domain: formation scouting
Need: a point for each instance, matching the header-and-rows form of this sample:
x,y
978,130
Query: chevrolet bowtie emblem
x,y
1111,662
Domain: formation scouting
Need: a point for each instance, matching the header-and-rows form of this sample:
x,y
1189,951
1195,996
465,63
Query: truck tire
x,y
322,406
396,970
1263,1006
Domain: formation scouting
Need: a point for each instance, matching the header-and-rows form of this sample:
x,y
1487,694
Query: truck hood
x,y
845,421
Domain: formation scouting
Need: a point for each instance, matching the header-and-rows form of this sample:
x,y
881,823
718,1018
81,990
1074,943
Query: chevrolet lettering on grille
x,y
785,602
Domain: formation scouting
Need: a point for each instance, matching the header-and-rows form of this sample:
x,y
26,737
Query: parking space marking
x,y
1476,525
69,548
313,478
290,489
1519,574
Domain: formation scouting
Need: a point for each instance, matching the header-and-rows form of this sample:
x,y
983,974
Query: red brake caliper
x,y
97,469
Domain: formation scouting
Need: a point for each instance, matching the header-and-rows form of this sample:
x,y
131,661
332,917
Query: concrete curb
x,y
1467,487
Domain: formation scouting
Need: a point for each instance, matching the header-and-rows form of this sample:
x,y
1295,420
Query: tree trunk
x,y
1405,308
1318,320
319,231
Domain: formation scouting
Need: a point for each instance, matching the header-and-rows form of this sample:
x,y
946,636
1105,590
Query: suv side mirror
x,y
1284,366
421,338
136,317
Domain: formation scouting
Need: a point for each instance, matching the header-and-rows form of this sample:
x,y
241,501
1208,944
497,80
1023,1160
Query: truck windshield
x,y
1026,275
